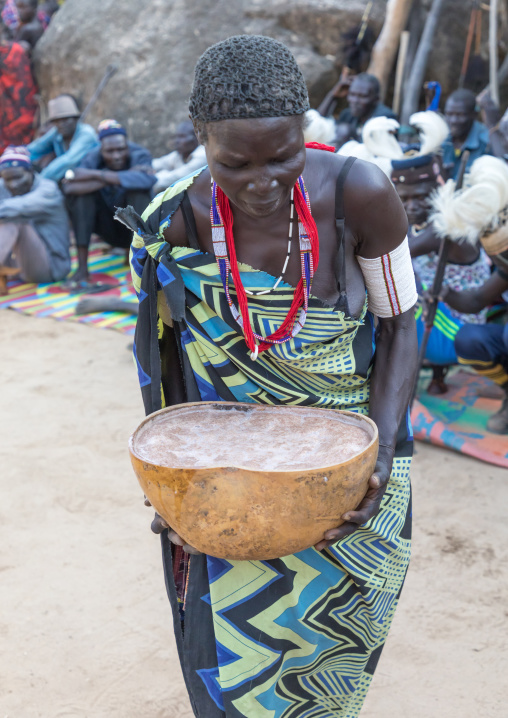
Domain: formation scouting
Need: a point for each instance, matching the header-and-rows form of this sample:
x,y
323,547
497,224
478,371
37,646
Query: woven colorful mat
x,y
50,300
458,419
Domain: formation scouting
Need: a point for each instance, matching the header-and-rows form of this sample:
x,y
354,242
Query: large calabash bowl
x,y
239,513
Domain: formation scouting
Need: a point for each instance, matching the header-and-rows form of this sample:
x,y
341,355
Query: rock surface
x,y
156,43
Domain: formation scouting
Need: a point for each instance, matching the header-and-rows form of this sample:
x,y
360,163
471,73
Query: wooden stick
x,y
415,81
478,43
399,74
493,59
110,71
469,43
387,43
438,279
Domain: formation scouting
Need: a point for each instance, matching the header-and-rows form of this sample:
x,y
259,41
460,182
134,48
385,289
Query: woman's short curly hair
x,y
247,76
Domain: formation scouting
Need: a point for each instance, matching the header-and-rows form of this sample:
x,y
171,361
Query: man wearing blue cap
x,y
34,228
116,174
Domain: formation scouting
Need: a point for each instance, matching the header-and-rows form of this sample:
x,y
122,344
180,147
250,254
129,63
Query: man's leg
x,y
138,200
114,232
31,255
485,349
82,210
440,352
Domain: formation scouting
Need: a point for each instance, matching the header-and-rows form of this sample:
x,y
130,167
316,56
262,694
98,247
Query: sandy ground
x,y
85,627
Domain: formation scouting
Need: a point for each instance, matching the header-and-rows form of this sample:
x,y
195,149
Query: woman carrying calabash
x,y
325,320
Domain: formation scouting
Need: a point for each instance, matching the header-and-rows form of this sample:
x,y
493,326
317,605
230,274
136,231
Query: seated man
x,y
466,133
187,157
69,140
415,179
116,174
364,103
30,28
34,228
485,348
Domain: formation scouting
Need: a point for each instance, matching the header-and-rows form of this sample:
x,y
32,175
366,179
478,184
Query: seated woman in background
x,y
415,179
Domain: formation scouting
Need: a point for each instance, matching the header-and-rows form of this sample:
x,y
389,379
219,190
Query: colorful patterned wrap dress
x,y
300,636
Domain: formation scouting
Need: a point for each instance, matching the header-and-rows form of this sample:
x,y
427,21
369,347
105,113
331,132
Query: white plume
x,y
466,214
318,128
378,136
432,128
379,144
357,149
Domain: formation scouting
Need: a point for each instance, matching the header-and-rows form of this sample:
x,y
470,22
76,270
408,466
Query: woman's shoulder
x,y
363,183
327,166
162,216
372,209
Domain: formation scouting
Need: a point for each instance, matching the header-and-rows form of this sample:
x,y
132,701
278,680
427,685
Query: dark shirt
x,y
130,180
30,33
379,110
477,142
44,208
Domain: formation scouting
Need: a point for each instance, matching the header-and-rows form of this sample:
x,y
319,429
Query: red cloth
x,y
319,146
17,97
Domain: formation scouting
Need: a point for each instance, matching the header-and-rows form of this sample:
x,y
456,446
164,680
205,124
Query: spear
x,y
110,71
437,284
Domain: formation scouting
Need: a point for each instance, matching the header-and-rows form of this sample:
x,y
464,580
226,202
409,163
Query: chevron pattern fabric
x,y
297,637
301,636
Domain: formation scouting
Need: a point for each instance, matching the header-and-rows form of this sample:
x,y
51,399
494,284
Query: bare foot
x,y
5,274
438,385
80,275
88,305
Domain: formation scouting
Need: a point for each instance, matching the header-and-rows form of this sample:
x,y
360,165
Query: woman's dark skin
x,y
256,163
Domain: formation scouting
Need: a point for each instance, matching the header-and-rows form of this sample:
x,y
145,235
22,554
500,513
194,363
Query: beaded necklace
x,y
221,218
290,239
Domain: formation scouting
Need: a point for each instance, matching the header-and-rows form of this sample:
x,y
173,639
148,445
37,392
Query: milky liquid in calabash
x,y
278,439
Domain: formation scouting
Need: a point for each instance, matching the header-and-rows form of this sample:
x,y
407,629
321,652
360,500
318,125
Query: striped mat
x,y
49,300
458,419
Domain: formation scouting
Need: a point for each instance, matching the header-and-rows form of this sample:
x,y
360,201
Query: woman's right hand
x,y
159,525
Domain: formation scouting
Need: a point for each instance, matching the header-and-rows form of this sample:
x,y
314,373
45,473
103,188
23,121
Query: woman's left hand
x,y
369,505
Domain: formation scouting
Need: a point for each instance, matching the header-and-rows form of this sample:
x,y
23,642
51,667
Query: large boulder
x,y
155,45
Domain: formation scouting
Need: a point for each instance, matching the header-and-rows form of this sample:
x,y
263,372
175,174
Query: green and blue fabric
x,y
300,636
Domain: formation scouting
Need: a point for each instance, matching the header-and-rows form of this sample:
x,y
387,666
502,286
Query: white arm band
x,y
390,282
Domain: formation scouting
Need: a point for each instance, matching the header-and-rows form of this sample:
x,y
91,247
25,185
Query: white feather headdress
x,y
318,128
380,145
433,131
475,210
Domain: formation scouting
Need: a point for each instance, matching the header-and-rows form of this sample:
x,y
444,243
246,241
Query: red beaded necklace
x,y
225,252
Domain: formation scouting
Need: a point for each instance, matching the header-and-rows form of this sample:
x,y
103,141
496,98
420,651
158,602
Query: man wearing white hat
x,y
69,140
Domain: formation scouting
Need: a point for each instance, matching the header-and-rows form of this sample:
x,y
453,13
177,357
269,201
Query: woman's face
x,y
256,162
